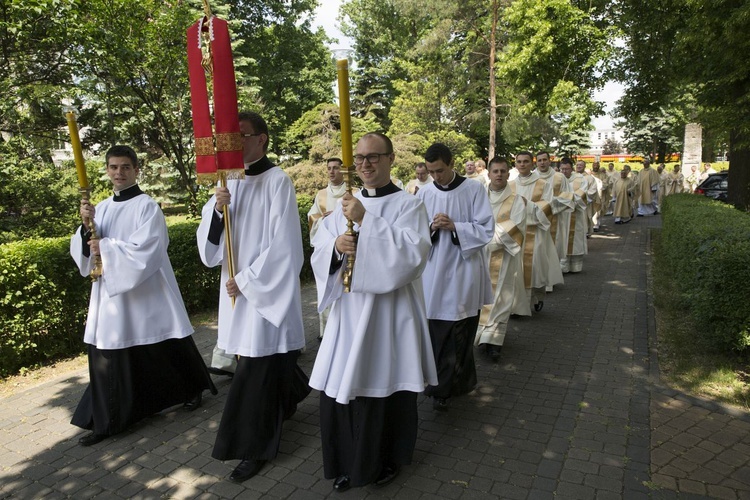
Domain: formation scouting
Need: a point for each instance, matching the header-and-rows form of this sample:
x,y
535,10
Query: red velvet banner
x,y
224,150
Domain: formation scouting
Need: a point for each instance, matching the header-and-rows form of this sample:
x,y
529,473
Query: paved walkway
x,y
574,409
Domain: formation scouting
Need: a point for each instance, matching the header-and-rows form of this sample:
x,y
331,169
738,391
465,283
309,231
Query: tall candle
x,y
342,70
75,141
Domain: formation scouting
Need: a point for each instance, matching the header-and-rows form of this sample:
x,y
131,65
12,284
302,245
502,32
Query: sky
x,y
327,11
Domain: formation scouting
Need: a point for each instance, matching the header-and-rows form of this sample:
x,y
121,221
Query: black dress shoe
x,y
246,469
194,403
440,404
493,351
219,371
92,438
342,483
539,306
387,474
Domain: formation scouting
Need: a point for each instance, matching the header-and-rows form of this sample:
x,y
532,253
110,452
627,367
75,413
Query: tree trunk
x,y
493,97
739,169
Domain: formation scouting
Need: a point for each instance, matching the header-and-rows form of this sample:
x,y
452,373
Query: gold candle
x,y
342,70
75,141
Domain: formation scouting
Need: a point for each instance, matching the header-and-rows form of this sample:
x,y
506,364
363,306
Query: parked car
x,y
715,186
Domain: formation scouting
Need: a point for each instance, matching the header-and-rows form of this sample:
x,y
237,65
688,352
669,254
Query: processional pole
x,y
342,72
213,93
83,181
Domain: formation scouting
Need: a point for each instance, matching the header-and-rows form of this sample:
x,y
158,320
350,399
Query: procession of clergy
x,y
429,272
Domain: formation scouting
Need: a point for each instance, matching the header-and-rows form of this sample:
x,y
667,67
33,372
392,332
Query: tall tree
x,y
287,60
132,69
555,59
35,40
711,53
703,43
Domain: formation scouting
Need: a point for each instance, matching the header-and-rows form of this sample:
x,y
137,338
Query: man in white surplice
x,y
325,201
457,281
375,356
263,328
136,313
505,255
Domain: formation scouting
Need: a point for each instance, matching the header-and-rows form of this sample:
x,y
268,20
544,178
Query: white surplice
x,y
267,245
136,301
456,279
376,340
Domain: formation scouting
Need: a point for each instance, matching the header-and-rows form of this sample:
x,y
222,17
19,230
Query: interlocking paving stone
x,y
573,409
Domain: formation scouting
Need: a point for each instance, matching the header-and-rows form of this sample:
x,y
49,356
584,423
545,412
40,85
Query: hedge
x,y
706,248
44,299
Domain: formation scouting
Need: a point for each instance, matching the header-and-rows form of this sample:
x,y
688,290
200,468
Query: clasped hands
x,y
442,221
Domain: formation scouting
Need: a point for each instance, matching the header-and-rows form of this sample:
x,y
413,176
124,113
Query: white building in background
x,y
601,135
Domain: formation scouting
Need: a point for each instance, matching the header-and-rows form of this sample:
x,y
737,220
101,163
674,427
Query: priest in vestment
x,y
142,357
675,181
264,328
325,201
648,190
456,279
559,222
593,199
606,189
422,179
376,355
480,167
576,244
541,265
622,193
472,173
505,257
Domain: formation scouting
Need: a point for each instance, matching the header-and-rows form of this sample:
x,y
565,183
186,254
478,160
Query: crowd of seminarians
x,y
431,270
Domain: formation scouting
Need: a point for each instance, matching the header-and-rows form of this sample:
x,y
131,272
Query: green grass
x,y
683,364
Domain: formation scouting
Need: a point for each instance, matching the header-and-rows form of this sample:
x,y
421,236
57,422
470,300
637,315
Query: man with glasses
x,y
456,279
375,355
264,326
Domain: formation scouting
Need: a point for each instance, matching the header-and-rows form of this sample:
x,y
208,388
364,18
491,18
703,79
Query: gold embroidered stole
x,y
556,187
576,186
503,219
528,250
322,197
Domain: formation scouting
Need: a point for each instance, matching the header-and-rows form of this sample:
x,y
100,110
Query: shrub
x,y
304,202
44,299
199,284
43,303
706,248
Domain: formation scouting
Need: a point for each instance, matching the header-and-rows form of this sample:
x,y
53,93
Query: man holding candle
x,y
375,355
264,327
142,358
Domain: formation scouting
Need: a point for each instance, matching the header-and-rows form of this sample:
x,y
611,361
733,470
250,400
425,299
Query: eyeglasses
x,y
372,158
251,135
